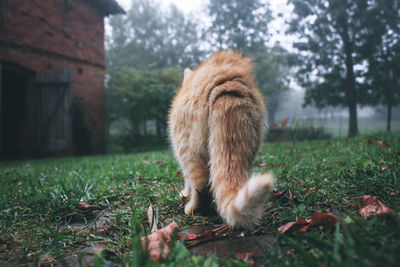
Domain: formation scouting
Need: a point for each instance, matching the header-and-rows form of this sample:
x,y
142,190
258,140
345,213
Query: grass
x,y
38,205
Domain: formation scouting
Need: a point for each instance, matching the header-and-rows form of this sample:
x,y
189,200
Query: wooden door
x,y
54,102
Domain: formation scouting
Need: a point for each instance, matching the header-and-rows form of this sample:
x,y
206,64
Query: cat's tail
x,y
235,134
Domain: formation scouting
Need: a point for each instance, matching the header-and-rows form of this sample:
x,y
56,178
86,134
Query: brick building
x,y
52,56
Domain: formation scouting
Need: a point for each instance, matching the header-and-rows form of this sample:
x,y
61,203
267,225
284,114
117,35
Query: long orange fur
x,y
216,128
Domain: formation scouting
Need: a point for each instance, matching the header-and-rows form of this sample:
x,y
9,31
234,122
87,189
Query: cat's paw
x,y
184,194
190,208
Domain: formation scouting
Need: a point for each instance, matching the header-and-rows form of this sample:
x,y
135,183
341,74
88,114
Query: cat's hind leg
x,y
197,175
186,191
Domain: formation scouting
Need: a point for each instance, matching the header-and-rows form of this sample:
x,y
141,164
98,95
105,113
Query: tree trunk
x,y
353,126
389,116
351,93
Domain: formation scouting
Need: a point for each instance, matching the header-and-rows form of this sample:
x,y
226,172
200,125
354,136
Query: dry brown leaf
x,y
157,243
382,143
47,260
280,193
303,225
177,174
83,206
371,205
195,239
247,257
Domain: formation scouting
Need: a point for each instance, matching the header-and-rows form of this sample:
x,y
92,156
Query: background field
x,y
40,221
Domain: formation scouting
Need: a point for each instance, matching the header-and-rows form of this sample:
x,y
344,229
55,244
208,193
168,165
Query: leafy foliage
x,y
140,96
342,41
243,25
382,50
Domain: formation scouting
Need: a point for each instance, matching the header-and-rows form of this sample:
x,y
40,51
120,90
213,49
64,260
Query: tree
x,y
146,51
330,32
243,25
239,25
272,71
151,37
382,49
143,95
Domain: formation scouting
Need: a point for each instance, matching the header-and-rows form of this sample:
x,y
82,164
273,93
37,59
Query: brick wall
x,y
53,34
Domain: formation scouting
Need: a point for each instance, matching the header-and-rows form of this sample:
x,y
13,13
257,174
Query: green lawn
x,y
38,204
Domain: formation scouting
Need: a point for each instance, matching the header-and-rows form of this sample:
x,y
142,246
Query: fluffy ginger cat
x,y
216,126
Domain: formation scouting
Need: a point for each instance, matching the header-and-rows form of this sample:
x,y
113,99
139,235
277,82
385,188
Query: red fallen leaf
x,y
262,164
290,194
278,194
309,189
290,251
177,174
83,206
291,225
195,239
371,205
140,180
384,168
247,257
303,225
157,243
382,143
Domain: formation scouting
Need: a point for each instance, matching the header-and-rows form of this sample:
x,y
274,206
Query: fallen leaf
x,y
384,168
290,194
371,205
47,260
280,193
382,143
303,225
140,180
286,227
247,257
157,243
309,189
262,164
159,162
195,239
83,206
